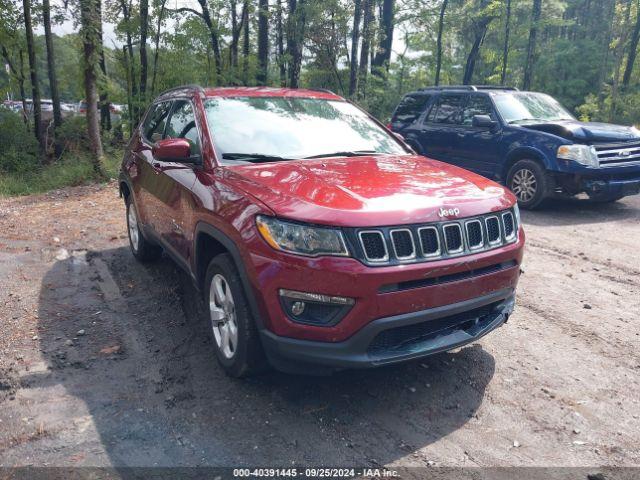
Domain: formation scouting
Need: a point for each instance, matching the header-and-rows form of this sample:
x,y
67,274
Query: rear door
x,y
478,147
438,133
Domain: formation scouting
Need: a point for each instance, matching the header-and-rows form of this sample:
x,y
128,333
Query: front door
x,y
478,147
438,132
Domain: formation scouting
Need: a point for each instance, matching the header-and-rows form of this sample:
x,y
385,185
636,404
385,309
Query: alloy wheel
x,y
134,232
222,311
524,185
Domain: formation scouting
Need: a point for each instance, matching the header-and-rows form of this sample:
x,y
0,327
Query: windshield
x,y
278,128
526,106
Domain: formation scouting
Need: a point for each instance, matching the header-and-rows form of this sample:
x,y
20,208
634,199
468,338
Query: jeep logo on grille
x,y
448,212
625,153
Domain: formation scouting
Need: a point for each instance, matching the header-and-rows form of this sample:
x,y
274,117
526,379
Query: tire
x,y
235,337
142,249
530,183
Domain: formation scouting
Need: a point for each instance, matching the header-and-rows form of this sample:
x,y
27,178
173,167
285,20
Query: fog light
x,y
314,308
297,308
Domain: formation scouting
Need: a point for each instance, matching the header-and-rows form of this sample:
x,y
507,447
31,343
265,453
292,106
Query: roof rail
x,y
468,88
193,86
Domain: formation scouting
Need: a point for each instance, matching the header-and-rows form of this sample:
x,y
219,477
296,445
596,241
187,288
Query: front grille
x,y
403,339
453,238
474,234
429,241
403,246
417,243
374,246
507,220
618,155
493,229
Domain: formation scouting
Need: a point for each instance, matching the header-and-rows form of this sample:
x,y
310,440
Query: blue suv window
x,y
410,108
477,105
448,109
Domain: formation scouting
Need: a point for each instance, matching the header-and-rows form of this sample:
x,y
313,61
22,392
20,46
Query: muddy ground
x,y
104,361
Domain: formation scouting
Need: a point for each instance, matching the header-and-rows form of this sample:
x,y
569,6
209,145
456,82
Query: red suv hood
x,y
369,191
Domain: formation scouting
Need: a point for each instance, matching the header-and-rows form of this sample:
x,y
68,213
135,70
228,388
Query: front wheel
x,y
529,183
235,336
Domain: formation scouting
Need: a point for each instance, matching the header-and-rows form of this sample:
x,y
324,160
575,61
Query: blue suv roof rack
x,y
469,88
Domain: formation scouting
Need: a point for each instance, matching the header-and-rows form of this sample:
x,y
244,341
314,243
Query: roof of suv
x,y
468,88
251,92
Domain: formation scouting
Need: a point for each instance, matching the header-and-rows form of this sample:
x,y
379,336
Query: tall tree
x,y
355,38
505,49
382,56
144,64
263,41
35,87
105,111
18,74
90,28
51,64
531,47
296,23
245,44
481,23
282,66
366,45
633,49
443,10
156,50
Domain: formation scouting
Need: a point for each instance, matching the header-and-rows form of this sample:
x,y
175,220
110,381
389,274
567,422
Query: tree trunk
x,y
157,47
213,35
263,41
105,112
382,56
280,41
245,44
125,63
19,76
443,11
235,35
295,38
51,65
35,88
633,50
531,48
505,50
364,50
480,28
355,38
90,19
131,69
144,27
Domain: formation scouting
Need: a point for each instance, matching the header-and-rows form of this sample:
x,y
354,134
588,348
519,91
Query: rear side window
x,y
477,105
448,109
410,108
156,120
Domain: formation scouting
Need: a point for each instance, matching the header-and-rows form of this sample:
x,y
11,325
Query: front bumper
x,y
611,188
394,339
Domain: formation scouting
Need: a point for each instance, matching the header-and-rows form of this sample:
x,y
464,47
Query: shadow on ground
x,y
142,366
576,211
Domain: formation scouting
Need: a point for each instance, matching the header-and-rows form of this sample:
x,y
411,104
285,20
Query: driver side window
x,y
182,124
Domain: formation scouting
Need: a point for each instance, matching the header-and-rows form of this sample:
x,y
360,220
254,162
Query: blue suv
x,y
525,140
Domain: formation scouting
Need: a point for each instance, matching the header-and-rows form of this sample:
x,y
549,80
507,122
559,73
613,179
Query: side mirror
x,y
483,121
175,150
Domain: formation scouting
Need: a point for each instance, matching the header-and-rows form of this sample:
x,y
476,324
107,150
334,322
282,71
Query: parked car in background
x,y
525,140
115,110
319,240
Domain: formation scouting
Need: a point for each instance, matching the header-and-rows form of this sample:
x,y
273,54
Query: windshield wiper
x,y
352,153
252,157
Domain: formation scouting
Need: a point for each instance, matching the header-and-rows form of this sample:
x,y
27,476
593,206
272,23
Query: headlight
x,y
582,154
301,239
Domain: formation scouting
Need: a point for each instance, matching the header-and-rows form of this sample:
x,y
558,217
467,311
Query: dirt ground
x,y
106,362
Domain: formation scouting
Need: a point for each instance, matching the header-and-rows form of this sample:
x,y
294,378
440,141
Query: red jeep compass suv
x,y
320,241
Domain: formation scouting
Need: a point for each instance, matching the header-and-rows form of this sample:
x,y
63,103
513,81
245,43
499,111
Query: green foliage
x,y
18,147
71,170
